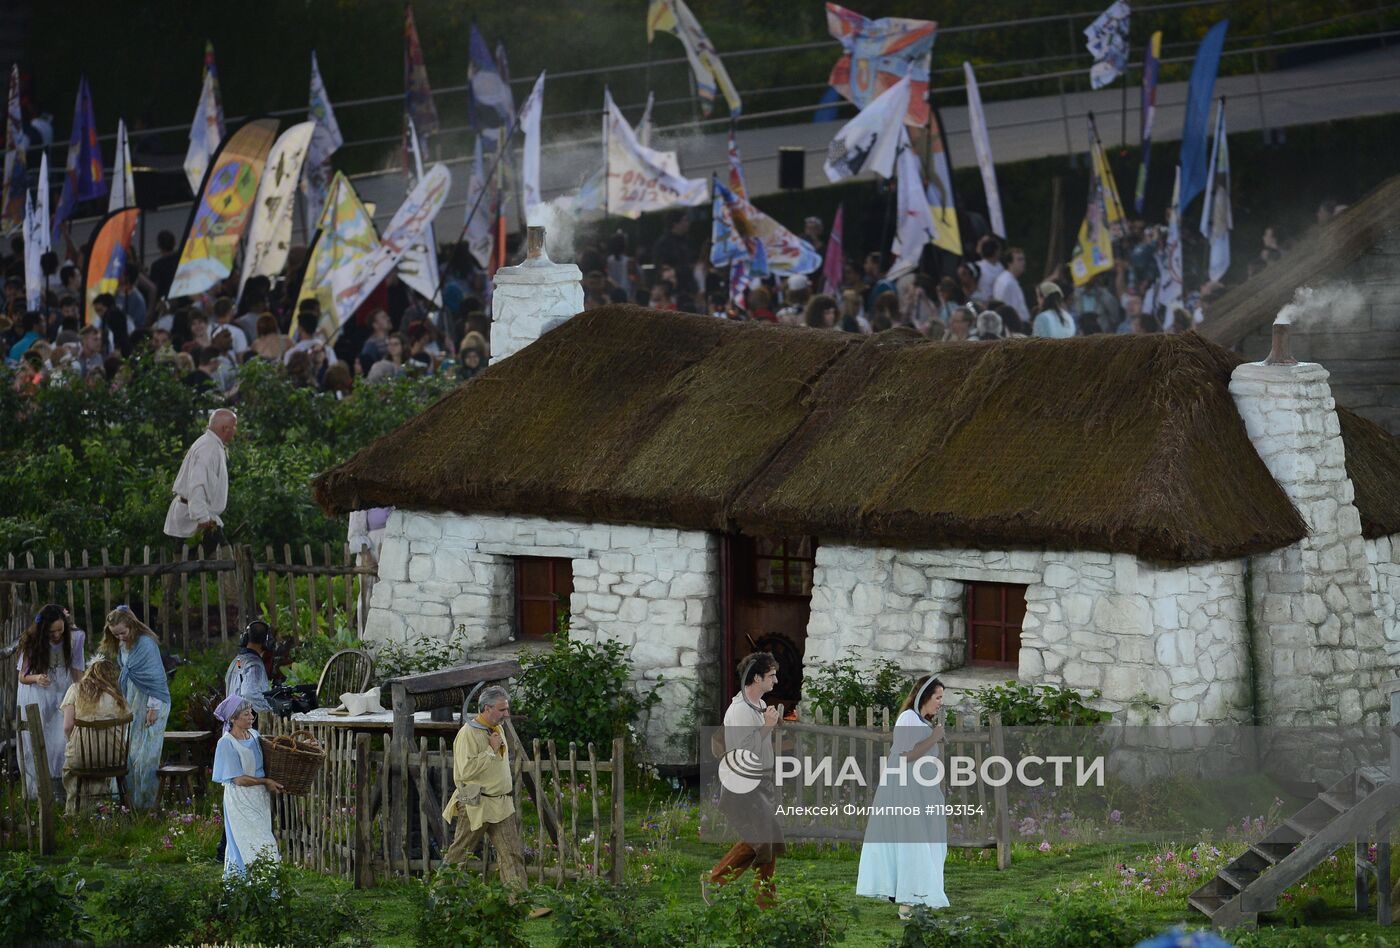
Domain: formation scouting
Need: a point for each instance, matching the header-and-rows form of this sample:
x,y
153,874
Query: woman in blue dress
x,y
906,842
144,685
238,765
50,659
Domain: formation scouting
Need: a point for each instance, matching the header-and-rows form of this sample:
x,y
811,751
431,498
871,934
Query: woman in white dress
x,y
50,660
238,765
906,843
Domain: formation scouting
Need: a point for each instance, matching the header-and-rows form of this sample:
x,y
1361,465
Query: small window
x,y
995,612
783,566
543,586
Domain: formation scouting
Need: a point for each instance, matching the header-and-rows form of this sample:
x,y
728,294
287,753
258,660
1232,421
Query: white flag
x,y
983,146
1169,280
644,126
1216,219
33,250
530,156
480,239
316,173
915,228
1107,41
270,231
870,141
419,266
46,243
639,178
123,184
204,135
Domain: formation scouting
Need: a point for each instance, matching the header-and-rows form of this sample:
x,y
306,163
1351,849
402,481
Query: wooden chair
x,y
183,778
348,670
103,747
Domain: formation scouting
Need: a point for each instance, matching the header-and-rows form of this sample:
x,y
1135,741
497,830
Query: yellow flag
x,y
345,233
1103,220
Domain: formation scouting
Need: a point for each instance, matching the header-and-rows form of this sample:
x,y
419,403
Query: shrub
x,y
36,904
845,684
423,654
271,905
156,907
929,929
1085,923
807,916
457,908
311,653
198,686
1033,705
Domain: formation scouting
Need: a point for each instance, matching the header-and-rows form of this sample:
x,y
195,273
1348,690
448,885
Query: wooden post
x,y
398,774
618,831
243,584
43,780
1003,817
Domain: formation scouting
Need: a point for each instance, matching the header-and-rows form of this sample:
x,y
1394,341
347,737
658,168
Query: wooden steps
x,y
1353,810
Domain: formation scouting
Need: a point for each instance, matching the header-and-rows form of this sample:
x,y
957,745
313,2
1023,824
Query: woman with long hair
x,y
97,698
135,648
902,856
50,659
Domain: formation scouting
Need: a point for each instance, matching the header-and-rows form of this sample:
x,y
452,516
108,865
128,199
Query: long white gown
x,y
247,810
902,856
50,713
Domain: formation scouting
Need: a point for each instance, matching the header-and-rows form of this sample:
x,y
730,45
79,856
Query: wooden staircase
x,y
1354,808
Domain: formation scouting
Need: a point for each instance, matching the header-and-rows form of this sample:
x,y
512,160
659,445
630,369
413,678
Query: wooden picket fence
x,y
866,735
188,598
27,824
342,826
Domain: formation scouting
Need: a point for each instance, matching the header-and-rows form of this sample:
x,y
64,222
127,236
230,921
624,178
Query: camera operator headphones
x,y
258,632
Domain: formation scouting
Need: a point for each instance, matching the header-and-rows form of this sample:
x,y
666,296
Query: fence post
x,y
364,849
43,780
243,584
398,777
618,832
1003,818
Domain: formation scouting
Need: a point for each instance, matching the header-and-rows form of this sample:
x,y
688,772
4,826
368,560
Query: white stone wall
x,y
1320,650
1383,554
529,300
654,590
1165,644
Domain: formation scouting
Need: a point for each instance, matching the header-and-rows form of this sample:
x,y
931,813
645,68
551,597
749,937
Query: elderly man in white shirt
x,y
201,486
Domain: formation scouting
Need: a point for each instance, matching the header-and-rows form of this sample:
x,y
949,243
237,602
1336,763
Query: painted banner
x,y
737,184
870,141
123,184
783,252
977,121
82,179
674,17
270,231
1199,93
352,284
16,182
223,209
1152,64
530,154
1216,218
345,234
207,130
111,244
915,227
879,53
1107,41
727,243
317,172
418,268
833,269
931,142
417,94
641,179
1103,218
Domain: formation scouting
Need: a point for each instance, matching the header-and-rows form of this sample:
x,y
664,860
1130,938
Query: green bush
x,y
595,914
37,904
422,654
310,654
1035,705
198,686
455,907
930,929
272,905
1086,923
807,916
846,684
156,906
579,691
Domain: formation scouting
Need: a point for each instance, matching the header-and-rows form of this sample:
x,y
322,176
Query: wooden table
x,y
379,723
189,747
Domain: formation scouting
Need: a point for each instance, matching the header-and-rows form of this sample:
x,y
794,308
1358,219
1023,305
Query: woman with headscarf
x,y
238,765
94,700
136,650
50,659
903,854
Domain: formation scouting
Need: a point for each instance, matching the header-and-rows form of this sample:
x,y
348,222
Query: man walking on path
x,y
201,486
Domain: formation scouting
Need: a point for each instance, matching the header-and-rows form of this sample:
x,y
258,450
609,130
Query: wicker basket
x,y
293,760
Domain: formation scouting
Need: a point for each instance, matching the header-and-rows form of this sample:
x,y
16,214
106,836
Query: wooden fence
x,y
342,826
26,823
191,600
866,735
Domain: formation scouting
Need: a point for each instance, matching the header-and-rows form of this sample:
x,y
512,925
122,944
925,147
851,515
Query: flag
x,y
418,95
1198,97
1103,218
481,206
487,87
82,179
779,249
983,146
727,243
869,141
223,208
1107,41
530,154
33,250
1169,274
353,283
674,17
879,53
16,181
737,184
1216,219
942,203
316,172
641,179
270,231
207,130
1150,67
111,243
344,234
644,126
418,267
123,184
42,205
915,226
834,267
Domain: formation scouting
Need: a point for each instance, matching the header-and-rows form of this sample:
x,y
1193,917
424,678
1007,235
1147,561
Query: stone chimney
x,y
532,298
1318,645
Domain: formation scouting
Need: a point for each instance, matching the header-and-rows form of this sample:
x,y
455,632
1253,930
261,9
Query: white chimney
x,y
532,298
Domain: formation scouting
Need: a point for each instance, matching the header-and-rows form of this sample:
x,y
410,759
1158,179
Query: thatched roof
x,y
1322,254
626,415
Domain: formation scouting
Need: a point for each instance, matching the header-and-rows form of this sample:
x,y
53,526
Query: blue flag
x,y
83,180
487,87
1198,99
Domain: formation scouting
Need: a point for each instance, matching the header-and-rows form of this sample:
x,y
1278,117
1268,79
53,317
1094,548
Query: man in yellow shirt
x,y
482,805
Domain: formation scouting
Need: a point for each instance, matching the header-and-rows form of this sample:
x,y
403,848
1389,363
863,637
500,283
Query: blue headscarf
x,y
142,667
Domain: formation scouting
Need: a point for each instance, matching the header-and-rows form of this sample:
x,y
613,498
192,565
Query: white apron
x,y
248,816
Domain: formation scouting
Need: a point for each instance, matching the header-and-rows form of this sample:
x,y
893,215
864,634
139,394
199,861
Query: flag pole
x,y
471,215
607,154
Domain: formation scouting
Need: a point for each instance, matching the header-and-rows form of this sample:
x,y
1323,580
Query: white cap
x,y
797,282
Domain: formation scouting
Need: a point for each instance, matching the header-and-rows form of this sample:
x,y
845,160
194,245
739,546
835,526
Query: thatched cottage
x,y
1205,541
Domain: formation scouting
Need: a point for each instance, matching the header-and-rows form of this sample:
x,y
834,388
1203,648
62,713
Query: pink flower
x,y
1045,846
1115,816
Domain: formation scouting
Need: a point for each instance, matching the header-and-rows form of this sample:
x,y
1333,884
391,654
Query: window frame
x,y
558,595
1007,632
